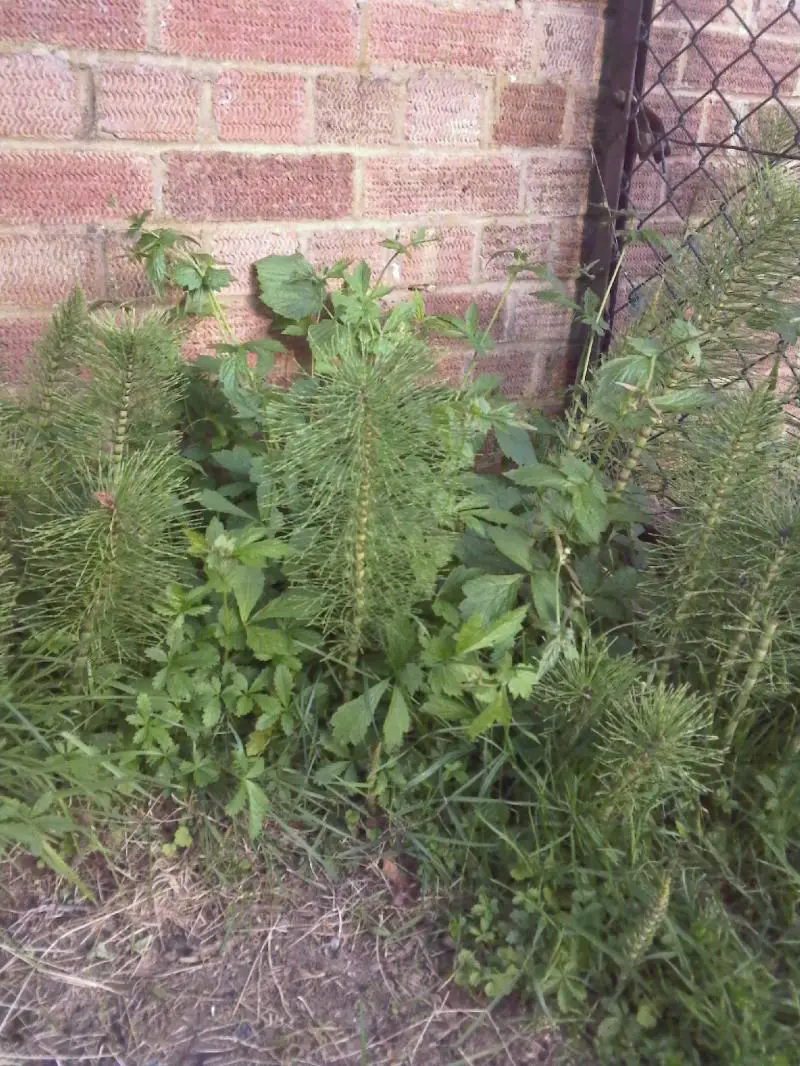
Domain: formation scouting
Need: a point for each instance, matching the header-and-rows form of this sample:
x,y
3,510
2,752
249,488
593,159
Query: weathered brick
x,y
354,110
268,108
691,188
571,47
500,240
237,187
516,365
531,116
568,246
530,318
247,323
40,97
581,114
125,278
779,17
18,338
446,260
444,109
426,33
665,55
38,271
145,103
417,185
681,117
746,70
276,31
718,13
556,186
85,23
648,190
238,252
458,303
48,186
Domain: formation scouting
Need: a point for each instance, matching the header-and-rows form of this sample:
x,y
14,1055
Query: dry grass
x,y
186,961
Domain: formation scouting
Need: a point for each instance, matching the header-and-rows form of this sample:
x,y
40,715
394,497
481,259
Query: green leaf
x,y
515,443
284,684
476,634
351,722
490,595
514,544
238,460
497,713
215,501
258,807
684,399
522,682
544,589
397,722
290,286
212,712
267,644
588,504
449,710
182,838
247,584
537,476
646,1016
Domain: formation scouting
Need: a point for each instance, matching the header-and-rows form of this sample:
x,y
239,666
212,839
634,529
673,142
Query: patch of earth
x,y
172,968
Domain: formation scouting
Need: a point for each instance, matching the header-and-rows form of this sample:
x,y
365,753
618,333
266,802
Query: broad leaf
x,y
476,634
351,722
490,595
290,286
537,476
267,644
247,583
515,544
215,501
397,722
497,713
515,443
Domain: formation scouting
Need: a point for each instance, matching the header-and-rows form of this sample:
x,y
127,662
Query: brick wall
x,y
713,69
325,125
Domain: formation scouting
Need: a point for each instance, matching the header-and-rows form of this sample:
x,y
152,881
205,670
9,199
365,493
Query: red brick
x,y
125,278
18,338
775,17
665,54
444,109
446,260
681,117
726,13
648,191
743,71
418,185
65,186
501,240
40,97
268,108
530,318
238,252
137,102
237,187
580,123
85,23
353,110
556,186
275,31
516,365
38,271
531,116
458,303
571,47
691,189
426,33
567,246
721,121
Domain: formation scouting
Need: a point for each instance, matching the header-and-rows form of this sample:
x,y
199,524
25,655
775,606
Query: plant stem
x,y
751,677
363,506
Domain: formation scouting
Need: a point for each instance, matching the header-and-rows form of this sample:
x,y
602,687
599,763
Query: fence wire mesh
x,y
714,77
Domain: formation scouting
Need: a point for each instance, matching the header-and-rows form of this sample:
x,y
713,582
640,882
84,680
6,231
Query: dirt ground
x,y
186,963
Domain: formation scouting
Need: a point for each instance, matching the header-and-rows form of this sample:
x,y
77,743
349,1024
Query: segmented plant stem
x,y
645,934
363,507
123,416
741,706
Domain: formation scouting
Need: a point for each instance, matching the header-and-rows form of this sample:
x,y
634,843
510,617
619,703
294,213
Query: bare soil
x,y
188,963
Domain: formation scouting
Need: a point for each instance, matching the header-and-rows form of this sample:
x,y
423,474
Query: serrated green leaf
x,y
284,684
247,583
490,595
515,544
258,807
537,476
352,720
516,444
522,682
397,722
182,838
476,634
237,460
212,712
497,713
267,644
589,509
290,286
215,501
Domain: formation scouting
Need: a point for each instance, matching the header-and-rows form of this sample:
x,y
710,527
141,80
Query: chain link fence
x,y
715,83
